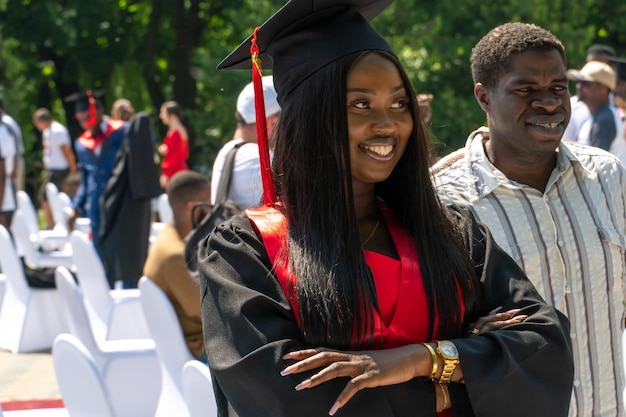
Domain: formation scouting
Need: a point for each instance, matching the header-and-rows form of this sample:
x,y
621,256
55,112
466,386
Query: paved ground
x,y
27,376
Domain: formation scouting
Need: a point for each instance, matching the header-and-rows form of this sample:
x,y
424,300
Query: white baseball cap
x,y
245,101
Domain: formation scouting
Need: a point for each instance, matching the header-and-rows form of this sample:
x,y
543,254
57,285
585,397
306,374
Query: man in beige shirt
x,y
165,264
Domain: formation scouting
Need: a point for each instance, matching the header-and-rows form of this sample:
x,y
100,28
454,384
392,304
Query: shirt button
x,y
576,383
572,335
561,243
567,290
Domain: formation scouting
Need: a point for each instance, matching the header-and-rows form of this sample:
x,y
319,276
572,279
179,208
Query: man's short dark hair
x,y
600,49
492,55
185,186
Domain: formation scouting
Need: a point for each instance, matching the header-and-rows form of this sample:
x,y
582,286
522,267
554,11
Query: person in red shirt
x,y
175,148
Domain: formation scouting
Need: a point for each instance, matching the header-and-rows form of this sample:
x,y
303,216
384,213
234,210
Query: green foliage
x,y
155,50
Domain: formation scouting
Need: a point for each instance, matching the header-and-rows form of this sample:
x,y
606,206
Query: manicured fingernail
x,y
333,409
287,371
304,384
495,310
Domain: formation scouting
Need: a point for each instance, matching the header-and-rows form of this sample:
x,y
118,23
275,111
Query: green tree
x,y
155,50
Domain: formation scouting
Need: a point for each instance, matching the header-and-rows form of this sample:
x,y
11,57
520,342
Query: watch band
x,y
434,358
448,369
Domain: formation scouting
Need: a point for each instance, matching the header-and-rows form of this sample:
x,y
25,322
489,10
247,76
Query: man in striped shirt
x,y
557,207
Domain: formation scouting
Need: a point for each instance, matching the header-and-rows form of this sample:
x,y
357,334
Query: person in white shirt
x,y
246,188
17,175
58,158
580,111
7,165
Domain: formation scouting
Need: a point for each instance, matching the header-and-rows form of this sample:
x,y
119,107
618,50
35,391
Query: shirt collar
x,y
486,177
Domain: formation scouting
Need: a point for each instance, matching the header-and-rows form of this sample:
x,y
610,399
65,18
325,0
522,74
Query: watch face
x,y
448,349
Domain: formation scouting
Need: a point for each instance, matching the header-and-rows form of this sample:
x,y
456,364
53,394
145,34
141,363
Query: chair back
x,y
80,382
25,205
198,389
12,266
23,243
57,207
3,287
170,345
164,209
93,281
75,311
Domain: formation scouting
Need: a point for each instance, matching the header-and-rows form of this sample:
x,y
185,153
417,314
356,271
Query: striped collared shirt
x,y
570,240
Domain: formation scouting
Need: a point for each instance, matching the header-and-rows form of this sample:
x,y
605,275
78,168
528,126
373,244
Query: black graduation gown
x,y
526,370
125,202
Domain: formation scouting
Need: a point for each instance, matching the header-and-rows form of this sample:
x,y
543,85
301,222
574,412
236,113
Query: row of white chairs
x,y
139,366
42,248
113,313
135,377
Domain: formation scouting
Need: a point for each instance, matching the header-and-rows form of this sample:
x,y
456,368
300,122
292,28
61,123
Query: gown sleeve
x,y
248,326
524,369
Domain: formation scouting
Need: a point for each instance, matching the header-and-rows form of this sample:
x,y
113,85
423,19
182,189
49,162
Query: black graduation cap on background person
x,y
81,99
620,67
305,35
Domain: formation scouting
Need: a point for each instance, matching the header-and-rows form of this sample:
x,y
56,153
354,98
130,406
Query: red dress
x,y
175,159
404,315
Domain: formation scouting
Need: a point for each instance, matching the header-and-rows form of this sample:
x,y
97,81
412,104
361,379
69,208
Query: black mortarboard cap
x,y
81,100
620,67
306,35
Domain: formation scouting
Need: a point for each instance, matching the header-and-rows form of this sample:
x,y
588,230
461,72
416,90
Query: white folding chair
x,y
61,209
81,384
33,257
46,239
58,209
30,318
114,314
198,389
164,209
3,287
171,347
129,368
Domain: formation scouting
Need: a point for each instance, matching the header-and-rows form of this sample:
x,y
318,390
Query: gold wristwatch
x,y
450,355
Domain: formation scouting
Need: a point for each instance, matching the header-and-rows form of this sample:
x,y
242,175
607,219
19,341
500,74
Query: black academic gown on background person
x,y
519,372
126,210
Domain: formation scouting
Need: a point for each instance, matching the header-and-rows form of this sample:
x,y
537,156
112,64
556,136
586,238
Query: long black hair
x,y
311,166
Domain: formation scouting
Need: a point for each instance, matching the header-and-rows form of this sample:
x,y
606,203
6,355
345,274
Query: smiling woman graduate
x,y
352,291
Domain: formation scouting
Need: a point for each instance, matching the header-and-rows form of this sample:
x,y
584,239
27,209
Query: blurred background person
x,y
175,146
246,186
7,166
17,175
594,83
580,111
58,158
166,266
122,109
96,150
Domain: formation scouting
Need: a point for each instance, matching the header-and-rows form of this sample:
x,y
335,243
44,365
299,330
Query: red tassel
x,y
269,192
93,117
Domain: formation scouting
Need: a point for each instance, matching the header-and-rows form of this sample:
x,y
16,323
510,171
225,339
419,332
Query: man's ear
x,y
482,96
